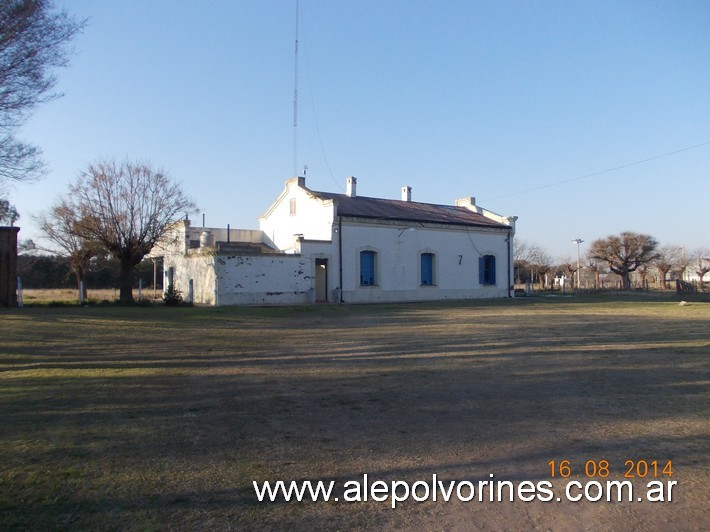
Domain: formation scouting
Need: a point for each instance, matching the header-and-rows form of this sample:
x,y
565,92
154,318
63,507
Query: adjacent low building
x,y
324,247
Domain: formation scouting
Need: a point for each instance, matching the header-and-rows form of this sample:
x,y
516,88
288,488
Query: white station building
x,y
331,248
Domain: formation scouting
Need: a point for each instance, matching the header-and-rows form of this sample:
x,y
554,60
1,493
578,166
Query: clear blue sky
x,y
454,98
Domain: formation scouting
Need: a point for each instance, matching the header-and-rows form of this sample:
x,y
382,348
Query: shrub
x,y
172,296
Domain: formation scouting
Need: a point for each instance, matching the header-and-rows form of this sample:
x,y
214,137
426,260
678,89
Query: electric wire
x,y
317,127
595,174
304,54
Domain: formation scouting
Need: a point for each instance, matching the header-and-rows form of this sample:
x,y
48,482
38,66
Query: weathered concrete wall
x,y
319,250
264,279
198,268
237,277
8,266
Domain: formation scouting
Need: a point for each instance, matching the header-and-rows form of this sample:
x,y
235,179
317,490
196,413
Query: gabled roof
x,y
406,211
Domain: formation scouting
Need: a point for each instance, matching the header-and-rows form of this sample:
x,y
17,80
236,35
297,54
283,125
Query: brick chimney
x,y
406,193
351,186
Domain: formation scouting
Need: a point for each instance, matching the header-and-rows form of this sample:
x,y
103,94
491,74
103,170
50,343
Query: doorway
x,y
321,280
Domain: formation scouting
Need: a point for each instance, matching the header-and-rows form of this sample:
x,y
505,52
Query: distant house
x,y
324,247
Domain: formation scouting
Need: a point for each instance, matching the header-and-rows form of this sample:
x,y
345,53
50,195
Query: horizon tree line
x,y
625,254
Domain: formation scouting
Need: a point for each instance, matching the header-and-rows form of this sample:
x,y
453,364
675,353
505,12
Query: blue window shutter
x,y
487,269
427,269
367,268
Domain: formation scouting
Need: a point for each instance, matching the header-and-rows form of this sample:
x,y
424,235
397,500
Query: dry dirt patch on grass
x,y
147,418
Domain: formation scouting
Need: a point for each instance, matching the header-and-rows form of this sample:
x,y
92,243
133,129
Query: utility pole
x,y
578,241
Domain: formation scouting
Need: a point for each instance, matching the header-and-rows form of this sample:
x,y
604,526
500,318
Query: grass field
x,y
157,418
69,296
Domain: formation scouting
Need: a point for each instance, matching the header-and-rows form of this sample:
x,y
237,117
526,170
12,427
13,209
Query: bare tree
x,y
531,259
567,266
701,263
32,43
597,268
666,258
61,227
541,264
521,257
127,208
8,213
624,253
642,271
681,264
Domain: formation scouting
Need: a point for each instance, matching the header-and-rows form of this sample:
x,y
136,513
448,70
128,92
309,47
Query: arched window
x,y
367,268
427,269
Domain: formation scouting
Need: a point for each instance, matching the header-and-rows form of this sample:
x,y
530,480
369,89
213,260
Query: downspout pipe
x,y
340,255
511,292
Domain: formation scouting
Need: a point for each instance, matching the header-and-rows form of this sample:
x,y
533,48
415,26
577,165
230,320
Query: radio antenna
x,y
295,99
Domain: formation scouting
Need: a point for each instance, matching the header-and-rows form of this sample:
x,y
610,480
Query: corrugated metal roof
x,y
406,211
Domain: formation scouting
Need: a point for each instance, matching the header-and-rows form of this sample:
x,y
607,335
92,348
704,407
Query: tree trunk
x,y
626,281
662,274
126,282
81,284
701,274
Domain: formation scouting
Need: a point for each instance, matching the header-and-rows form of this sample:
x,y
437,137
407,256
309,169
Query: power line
x,y
317,127
316,122
608,170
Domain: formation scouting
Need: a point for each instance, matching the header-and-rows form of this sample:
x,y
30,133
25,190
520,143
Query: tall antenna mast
x,y
295,101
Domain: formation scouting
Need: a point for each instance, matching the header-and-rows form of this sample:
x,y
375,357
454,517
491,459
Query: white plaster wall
x,y
253,236
200,268
313,218
264,279
174,241
290,278
456,267
313,250
219,234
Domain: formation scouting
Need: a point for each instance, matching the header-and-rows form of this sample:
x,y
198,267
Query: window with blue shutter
x,y
367,268
487,270
427,267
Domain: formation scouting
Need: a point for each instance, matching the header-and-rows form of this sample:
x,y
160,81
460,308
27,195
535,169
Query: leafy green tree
x,y
44,271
